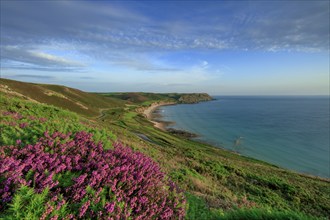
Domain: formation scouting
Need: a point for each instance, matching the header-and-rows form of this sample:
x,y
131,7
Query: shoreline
x,y
162,125
148,113
153,117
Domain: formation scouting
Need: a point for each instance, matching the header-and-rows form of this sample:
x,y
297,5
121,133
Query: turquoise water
x,y
291,132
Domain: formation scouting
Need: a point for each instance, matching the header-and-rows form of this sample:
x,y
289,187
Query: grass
x,y
260,214
219,184
86,104
56,119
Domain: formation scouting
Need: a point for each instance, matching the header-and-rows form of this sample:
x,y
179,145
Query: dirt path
x,y
102,113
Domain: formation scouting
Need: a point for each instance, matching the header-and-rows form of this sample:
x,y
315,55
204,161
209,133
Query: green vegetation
x,y
146,99
219,184
86,104
27,204
260,214
38,118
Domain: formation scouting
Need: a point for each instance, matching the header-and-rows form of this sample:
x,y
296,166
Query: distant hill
x,y
194,98
89,104
75,100
142,97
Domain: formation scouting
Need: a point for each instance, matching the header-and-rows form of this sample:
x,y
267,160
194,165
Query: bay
x,y
288,131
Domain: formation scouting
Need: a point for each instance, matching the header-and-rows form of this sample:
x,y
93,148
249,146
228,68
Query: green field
x,y
218,184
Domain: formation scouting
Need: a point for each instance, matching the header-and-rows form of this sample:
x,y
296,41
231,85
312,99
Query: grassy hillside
x,y
140,97
83,103
218,184
57,165
146,99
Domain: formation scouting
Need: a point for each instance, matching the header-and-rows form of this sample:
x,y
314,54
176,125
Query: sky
x,y
218,47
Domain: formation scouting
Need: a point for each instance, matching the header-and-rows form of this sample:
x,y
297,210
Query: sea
x,y
288,131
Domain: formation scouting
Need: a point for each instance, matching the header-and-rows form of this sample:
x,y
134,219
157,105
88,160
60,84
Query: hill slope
x,y
218,184
147,98
88,104
75,100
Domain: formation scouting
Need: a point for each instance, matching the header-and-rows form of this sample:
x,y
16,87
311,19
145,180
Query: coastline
x,y
148,113
156,119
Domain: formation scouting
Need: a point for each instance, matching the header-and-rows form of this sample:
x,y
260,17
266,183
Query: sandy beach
x,y
148,113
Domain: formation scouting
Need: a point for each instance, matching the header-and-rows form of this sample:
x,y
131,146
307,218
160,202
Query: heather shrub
x,y
77,178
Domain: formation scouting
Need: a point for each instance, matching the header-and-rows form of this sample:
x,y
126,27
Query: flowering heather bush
x,y
88,181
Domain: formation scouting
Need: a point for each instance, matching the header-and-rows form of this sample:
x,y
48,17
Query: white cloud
x,y
20,57
54,59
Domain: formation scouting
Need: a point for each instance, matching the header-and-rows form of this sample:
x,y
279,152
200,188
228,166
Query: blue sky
x,y
219,47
